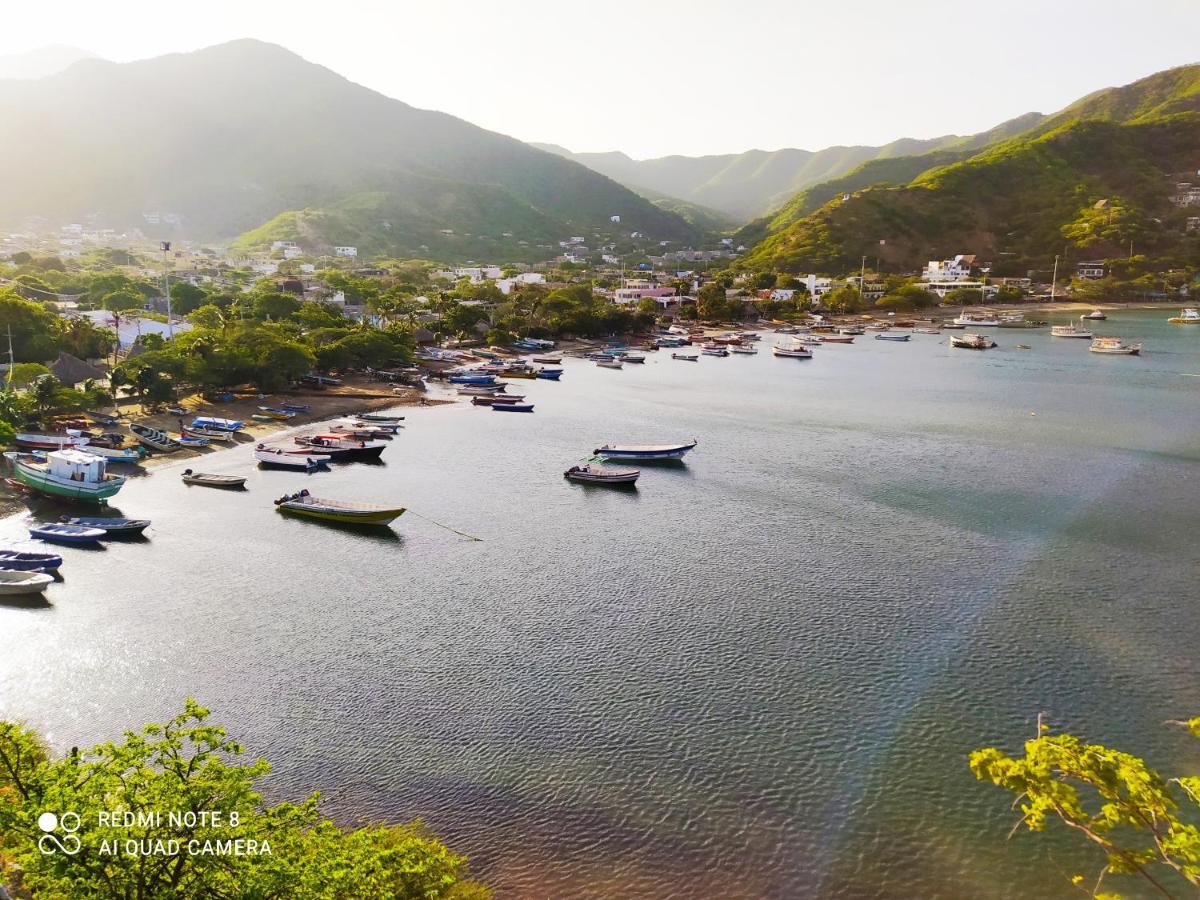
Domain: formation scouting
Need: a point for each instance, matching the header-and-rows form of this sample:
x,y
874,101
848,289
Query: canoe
x,y
65,534
217,481
644,451
590,474
154,438
342,511
14,583
278,458
512,407
112,526
27,561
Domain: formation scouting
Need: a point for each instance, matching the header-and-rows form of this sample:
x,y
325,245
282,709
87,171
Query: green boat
x,y
67,473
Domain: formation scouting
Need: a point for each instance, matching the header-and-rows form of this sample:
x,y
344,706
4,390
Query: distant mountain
x,y
243,135
1094,176
749,184
41,62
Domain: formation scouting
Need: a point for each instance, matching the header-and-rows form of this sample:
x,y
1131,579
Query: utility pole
x,y
166,249
1054,279
862,276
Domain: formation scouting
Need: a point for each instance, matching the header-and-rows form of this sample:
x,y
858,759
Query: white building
x,y
1090,269
351,252
282,245
942,288
957,269
818,287
292,252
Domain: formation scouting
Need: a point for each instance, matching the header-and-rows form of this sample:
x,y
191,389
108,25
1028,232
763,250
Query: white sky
x,y
675,76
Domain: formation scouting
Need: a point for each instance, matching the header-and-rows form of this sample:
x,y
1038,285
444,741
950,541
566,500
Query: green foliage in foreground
x,y
188,765
1147,826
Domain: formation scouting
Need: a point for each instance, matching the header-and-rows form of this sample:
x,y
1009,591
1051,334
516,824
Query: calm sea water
x,y
759,675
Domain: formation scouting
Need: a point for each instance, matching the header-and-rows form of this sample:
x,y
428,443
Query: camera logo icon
x,y
59,833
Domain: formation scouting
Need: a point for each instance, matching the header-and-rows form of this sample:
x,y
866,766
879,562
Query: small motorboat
x,y
644,452
552,374
277,413
16,583
1115,346
217,481
548,360
836,339
714,351
66,534
112,526
512,407
971,341
381,418
892,336
278,458
686,357
27,561
633,358
218,424
340,447
927,330
609,362
341,511
189,441
795,350
743,351
209,434
155,438
590,474
129,455
1189,316
1096,315
497,398
295,407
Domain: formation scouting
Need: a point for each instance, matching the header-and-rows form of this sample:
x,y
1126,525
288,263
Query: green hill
x,y
225,139
1017,202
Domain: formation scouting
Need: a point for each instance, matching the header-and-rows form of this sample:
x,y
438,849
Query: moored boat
x,y
29,561
1115,346
742,350
278,458
549,374
714,351
497,398
892,336
644,451
687,357
154,438
218,481
609,362
341,511
129,455
69,473
112,526
590,474
1070,331
794,350
65,534
976,320
548,360
1096,315
971,341
217,423
836,339
381,418
512,407
341,448
1188,316
18,583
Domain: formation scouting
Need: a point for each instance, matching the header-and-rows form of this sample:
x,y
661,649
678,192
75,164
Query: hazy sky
x,y
654,77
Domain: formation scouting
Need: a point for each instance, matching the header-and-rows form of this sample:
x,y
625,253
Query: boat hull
x,y
43,482
644,454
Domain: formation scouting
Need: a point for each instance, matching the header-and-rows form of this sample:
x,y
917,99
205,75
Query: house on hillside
x,y
957,269
1186,194
71,370
351,252
1091,269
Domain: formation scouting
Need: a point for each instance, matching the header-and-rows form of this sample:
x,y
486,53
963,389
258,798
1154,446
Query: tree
x,y
275,305
188,765
24,374
907,296
1146,825
963,297
845,299
186,297
32,326
43,392
123,300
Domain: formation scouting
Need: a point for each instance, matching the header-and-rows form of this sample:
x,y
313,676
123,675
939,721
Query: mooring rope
x,y
469,537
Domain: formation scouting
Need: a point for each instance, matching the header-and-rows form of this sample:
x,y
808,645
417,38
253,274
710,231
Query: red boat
x,y
836,339
49,441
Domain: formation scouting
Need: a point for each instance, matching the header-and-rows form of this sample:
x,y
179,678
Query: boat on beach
x,y
278,458
129,455
644,452
189,441
31,441
69,473
217,481
154,438
1188,316
590,474
59,533
275,412
218,424
209,434
29,561
112,526
340,511
971,341
20,583
1114,346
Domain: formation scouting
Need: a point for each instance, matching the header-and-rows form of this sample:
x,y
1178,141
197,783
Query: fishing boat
x,y
1096,315
550,374
713,351
794,351
381,418
218,481
644,452
589,474
1115,346
971,341
65,534
497,399
517,372
857,329
892,336
177,410
209,434
278,458
472,379
112,526
633,358
744,351
609,362
1070,331
363,432
1189,316
281,415
193,441
926,330
212,422
67,473
129,455
343,511
686,357
381,429
481,390
951,326
50,441
341,448
17,583
28,561
154,438
976,320
548,360
836,339
512,407
295,407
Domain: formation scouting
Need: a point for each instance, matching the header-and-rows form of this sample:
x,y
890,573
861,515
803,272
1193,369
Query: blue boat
x,y
218,424
472,379
22,561
644,451
112,526
550,374
66,534
512,407
296,407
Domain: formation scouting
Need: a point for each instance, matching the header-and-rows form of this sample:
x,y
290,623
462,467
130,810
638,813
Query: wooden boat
x,y
130,455
497,399
589,474
65,534
218,424
1070,331
69,473
548,360
383,429
50,441
209,434
295,407
340,447
16,583
280,415
261,417
519,373
796,351
609,362
512,407
188,441
836,339
381,418
743,351
217,481
714,351
278,458
112,526
28,561
342,511
644,451
892,336
1189,316
1115,346
549,374
154,438
686,357
971,341
354,432
633,358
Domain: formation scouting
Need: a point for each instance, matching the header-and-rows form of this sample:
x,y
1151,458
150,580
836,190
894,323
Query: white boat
x,y
970,341
976,320
609,363
644,451
1115,346
131,455
743,351
1070,331
50,441
687,357
70,473
714,351
1096,315
794,349
633,358
589,474
14,583
278,458
1189,316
